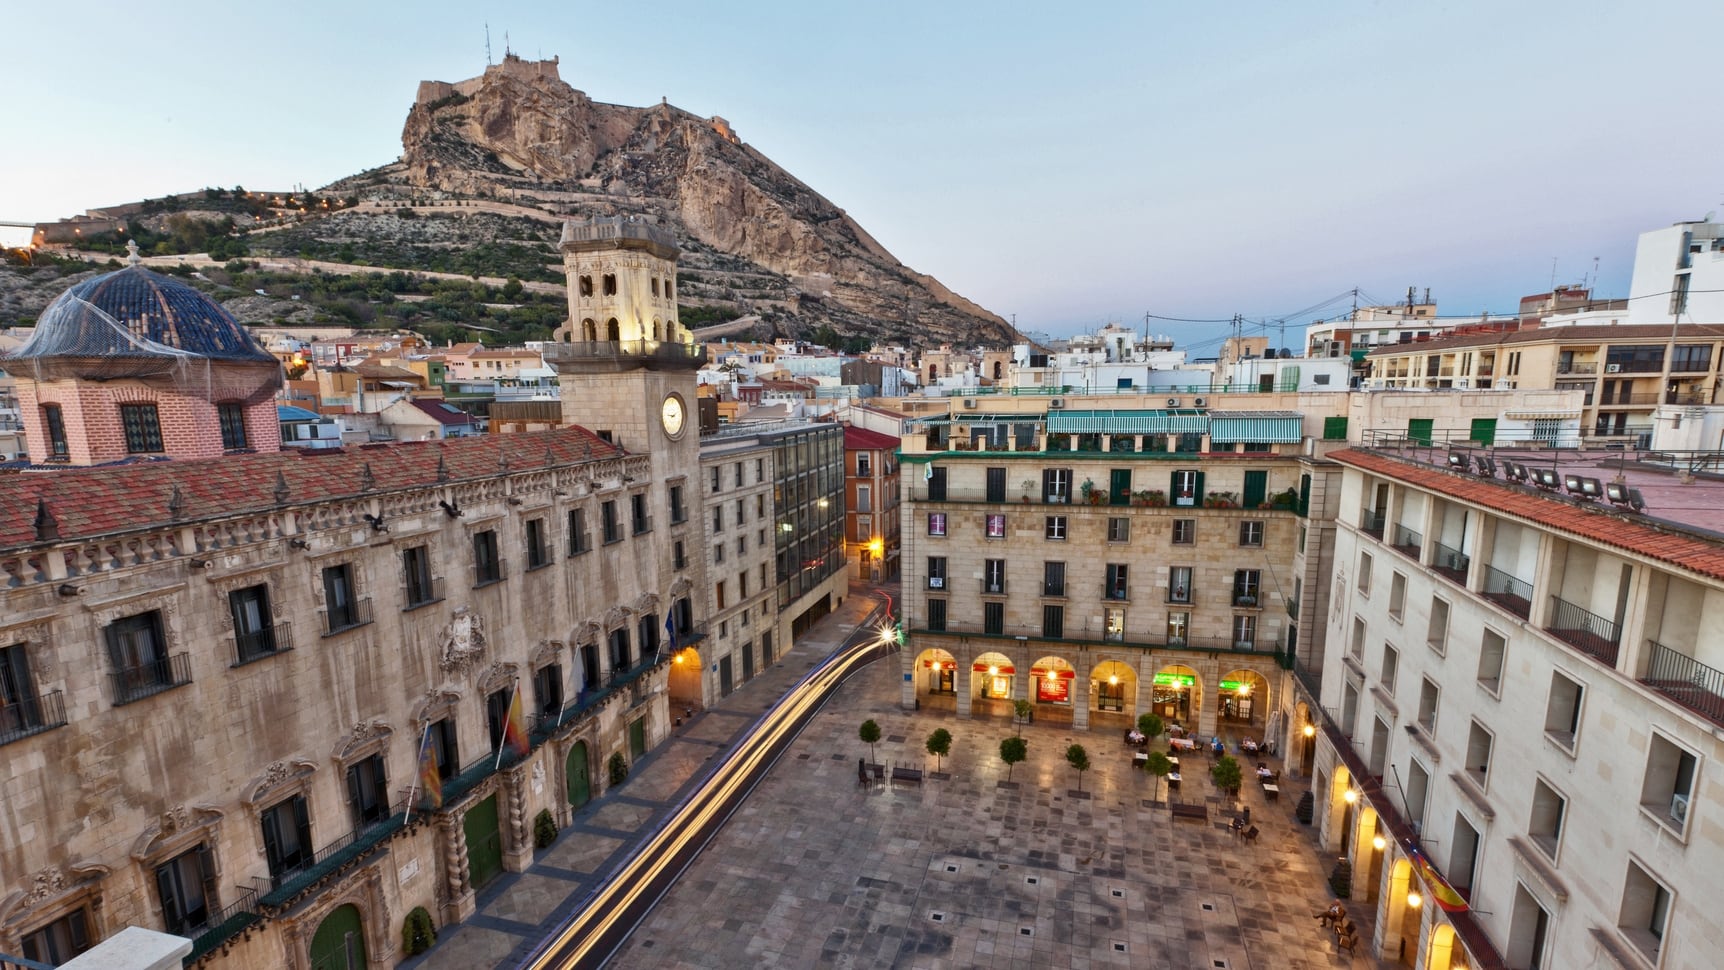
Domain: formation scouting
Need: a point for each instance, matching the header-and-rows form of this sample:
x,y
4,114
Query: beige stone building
x,y
264,699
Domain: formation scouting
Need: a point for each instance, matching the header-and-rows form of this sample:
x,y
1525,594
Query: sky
x,y
1065,166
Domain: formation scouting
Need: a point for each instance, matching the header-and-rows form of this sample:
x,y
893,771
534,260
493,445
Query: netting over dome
x,y
133,323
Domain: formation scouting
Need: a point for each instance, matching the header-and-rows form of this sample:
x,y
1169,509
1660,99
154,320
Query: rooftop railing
x,y
1407,542
1450,562
1686,681
1509,592
1584,630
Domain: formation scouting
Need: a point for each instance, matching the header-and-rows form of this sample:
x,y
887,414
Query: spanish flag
x,y
515,731
430,779
1445,894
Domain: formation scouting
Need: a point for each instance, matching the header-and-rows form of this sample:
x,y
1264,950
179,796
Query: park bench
x,y
1192,810
901,773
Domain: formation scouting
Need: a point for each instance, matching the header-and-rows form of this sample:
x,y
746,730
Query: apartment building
x,y
871,495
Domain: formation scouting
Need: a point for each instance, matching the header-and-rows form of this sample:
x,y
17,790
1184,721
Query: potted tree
x,y
1029,486
1012,751
940,745
1160,766
1025,712
1078,758
1226,775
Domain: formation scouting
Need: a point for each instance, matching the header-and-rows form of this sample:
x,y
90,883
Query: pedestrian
x,y
861,772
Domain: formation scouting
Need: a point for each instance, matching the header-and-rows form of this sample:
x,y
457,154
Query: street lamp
x,y
1310,730
1414,899
1349,796
1379,843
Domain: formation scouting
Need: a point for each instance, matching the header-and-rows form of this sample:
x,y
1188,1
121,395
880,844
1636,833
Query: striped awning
x,y
1540,415
1127,422
1256,427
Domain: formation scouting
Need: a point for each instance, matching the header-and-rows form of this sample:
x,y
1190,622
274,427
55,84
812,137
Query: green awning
x,y
1256,427
1127,422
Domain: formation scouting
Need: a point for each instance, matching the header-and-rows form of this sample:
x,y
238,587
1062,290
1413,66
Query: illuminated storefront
x,y
1173,688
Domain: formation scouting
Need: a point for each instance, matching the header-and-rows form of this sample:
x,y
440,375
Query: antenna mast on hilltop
x,y
487,44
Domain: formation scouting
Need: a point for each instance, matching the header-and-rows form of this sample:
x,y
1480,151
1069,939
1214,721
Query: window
x,y
759,470
548,690
1251,533
1463,855
1365,563
1057,485
1349,708
487,567
741,512
1668,786
1356,646
1548,809
864,464
1246,587
736,473
1418,790
1179,584
714,475
994,618
1645,909
1184,532
937,615
1119,529
1186,489
1479,744
678,513
996,526
994,576
996,483
742,585
340,609
1397,596
718,589
186,886
440,738
1437,633
1245,632
1491,648
1056,528
416,566
1562,710
718,518
538,550
1053,579
60,940
1391,667
741,544
1528,925
610,284
55,425
368,791
21,711
254,635
678,557
232,417
1053,622
864,498
1178,629
143,428
140,656
1114,588
579,541
1429,693
619,641
287,837
936,523
497,716
936,484
608,521
936,572
639,517
760,506
1113,624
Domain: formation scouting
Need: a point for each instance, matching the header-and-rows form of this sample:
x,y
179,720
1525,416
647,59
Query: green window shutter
x,y
1335,429
1484,431
1201,494
1419,430
1305,493
1256,489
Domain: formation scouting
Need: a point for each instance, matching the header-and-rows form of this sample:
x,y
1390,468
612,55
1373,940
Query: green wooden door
x,y
1119,486
580,782
1419,429
637,739
1484,431
484,842
339,943
1256,489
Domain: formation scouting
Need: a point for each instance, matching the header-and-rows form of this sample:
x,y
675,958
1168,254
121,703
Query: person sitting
x,y
1263,772
1216,745
1334,914
1248,745
1134,736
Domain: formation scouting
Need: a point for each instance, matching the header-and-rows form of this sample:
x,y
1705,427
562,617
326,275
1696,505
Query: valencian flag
x,y
515,731
1441,891
430,779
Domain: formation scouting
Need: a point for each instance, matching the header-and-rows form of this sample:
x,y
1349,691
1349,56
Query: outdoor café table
x,y
1173,780
1139,759
1272,792
1183,744
1173,761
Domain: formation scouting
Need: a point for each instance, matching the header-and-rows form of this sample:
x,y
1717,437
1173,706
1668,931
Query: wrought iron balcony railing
x,y
1686,681
151,677
31,715
1586,631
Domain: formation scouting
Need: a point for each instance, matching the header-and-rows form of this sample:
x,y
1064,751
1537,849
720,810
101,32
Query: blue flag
x,y
670,630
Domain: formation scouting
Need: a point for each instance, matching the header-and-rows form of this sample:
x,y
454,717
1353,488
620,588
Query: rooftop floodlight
x,y
1457,461
1635,502
1571,483
1617,493
1544,478
1592,488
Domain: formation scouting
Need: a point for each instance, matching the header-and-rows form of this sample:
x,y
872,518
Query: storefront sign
x,y
1175,680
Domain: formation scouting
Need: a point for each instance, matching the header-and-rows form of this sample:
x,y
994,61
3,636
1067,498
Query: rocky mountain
x,y
755,237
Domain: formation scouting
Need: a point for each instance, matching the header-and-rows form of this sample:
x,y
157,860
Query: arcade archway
x,y
685,680
1051,681
936,673
1242,700
1114,688
1174,693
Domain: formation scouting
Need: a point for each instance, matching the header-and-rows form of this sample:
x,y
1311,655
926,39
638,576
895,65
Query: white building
x,y
1679,274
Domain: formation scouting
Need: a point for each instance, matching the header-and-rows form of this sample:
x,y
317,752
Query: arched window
x,y
613,333
610,284
586,286
655,335
998,369
589,330
933,372
655,287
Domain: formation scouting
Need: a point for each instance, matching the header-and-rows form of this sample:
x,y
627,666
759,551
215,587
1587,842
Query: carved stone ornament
x,y
647,603
614,617
547,652
176,825
681,586
587,632
364,735
278,775
463,641
496,677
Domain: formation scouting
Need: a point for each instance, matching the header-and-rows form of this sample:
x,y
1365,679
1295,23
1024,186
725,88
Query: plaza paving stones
x,y
816,871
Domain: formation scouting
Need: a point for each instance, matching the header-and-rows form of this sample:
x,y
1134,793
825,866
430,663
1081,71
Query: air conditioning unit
x,y
1056,404
970,403
1613,368
1199,402
936,582
1173,402
1679,809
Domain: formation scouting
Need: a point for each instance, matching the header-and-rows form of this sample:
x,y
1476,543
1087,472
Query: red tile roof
x,y
861,439
442,411
91,502
1596,523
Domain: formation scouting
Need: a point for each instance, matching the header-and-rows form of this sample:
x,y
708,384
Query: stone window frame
x,y
279,782
174,833
354,559
272,577
163,600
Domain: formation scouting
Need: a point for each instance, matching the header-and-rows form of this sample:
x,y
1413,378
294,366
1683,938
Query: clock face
x,y
672,415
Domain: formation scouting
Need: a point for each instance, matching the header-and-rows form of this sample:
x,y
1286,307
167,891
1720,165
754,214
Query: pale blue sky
x,y
1068,163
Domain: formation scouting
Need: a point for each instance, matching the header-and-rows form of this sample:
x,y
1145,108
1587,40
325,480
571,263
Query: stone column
x,y
907,696
1080,697
518,848
459,899
968,690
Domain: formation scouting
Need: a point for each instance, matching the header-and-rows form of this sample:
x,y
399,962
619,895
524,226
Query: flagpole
x,y
413,789
501,747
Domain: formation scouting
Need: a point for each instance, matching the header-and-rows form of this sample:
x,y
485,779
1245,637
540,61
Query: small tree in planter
x,y
870,735
1149,725
1029,486
1226,775
1012,751
1078,758
618,768
1024,710
417,933
1160,766
544,829
940,745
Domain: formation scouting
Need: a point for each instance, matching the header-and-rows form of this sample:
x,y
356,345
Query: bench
x,y
1191,810
901,773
